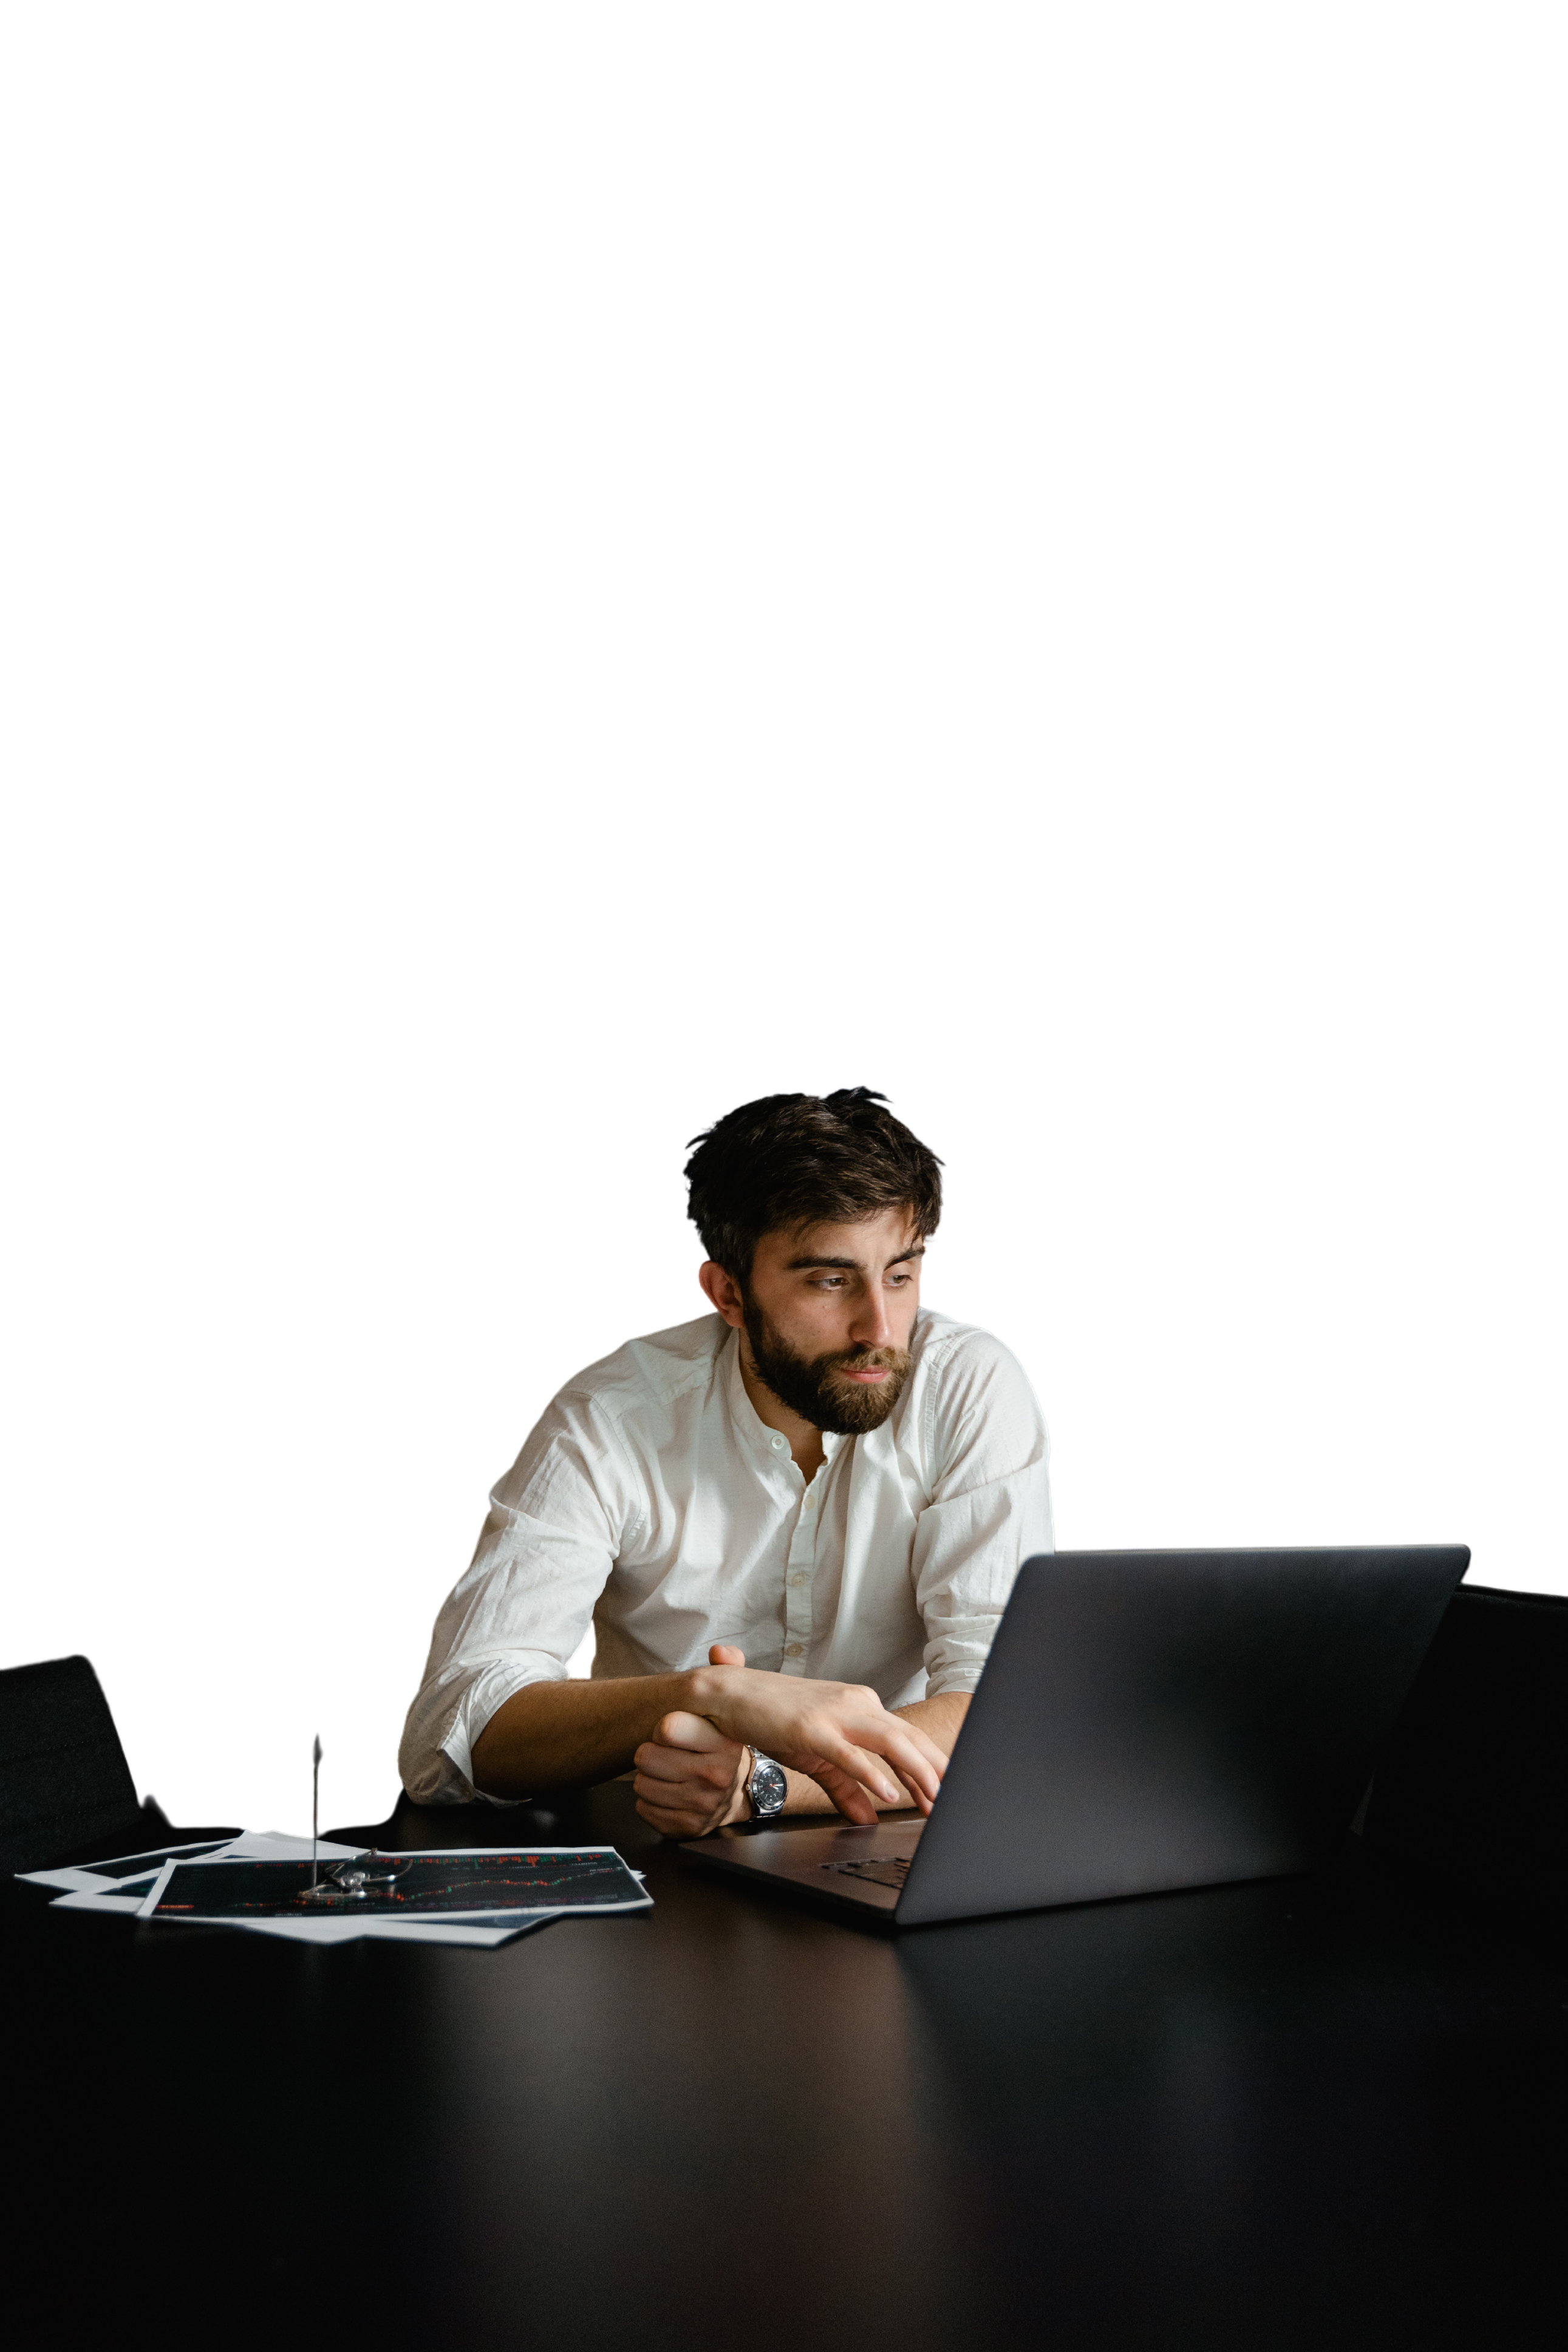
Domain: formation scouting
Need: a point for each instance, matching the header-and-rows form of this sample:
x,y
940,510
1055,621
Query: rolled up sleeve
x,y
544,1556
990,1508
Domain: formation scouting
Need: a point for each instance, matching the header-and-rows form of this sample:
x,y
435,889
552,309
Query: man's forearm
x,y
565,1735
941,1719
572,1734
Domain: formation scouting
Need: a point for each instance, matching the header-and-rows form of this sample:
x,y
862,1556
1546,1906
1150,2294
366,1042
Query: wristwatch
x,y
767,1788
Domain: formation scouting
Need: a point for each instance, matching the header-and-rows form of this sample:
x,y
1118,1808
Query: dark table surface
x,y
1306,2113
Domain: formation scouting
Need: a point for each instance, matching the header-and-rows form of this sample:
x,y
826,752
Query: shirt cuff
x,y
455,1758
966,1680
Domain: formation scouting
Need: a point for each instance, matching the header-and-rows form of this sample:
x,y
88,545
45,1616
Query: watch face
x,y
767,1789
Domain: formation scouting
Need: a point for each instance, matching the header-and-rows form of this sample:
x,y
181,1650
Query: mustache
x,y
818,1388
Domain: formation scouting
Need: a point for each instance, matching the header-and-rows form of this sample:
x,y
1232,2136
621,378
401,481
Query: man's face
x,y
828,1315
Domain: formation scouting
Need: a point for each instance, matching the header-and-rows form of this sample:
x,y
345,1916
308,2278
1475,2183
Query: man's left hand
x,y
690,1779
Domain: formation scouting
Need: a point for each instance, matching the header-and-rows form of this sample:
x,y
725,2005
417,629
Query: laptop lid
x,y
1149,1720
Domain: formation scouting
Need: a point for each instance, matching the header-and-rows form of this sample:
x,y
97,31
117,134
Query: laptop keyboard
x,y
891,1873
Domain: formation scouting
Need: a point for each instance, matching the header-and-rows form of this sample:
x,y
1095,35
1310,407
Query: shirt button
x,y
800,1580
794,1649
779,1444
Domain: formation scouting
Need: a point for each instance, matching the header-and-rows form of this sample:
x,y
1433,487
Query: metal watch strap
x,y
757,1758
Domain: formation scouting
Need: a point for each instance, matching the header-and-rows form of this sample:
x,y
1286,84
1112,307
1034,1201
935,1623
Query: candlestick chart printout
x,y
468,1884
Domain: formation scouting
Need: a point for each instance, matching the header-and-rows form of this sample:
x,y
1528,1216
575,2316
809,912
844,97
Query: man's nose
x,y
871,1328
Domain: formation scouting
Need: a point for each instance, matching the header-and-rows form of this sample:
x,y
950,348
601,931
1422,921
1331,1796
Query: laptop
x,y
1146,1720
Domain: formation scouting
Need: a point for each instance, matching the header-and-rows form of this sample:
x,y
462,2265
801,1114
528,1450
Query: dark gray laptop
x,y
1146,1720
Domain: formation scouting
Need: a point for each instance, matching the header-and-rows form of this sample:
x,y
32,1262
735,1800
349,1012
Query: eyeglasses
x,y
351,1881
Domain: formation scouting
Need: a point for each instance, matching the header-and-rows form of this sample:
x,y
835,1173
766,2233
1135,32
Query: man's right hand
x,y
691,1776
839,1733
690,1779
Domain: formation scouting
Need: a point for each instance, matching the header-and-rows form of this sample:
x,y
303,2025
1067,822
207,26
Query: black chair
x,y
64,1772
1472,1791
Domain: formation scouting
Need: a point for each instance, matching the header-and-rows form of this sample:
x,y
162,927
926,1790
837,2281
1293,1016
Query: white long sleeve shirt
x,y
651,1499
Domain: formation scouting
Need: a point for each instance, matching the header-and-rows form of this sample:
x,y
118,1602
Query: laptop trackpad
x,y
869,1865
891,1873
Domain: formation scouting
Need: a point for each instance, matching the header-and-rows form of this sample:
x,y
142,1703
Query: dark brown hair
x,y
806,1160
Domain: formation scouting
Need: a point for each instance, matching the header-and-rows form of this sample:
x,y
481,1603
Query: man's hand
x,y
690,1777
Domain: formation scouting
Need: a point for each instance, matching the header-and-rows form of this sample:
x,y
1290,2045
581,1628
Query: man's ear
x,y
722,1291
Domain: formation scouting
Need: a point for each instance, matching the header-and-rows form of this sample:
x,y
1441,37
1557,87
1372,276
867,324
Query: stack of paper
x,y
260,1881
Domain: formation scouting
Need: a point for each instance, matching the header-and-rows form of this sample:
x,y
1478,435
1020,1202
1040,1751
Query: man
x,y
821,1477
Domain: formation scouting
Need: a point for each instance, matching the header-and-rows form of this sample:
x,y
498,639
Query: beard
x,y
813,1386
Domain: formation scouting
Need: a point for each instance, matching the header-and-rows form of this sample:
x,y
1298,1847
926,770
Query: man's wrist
x,y
707,1686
